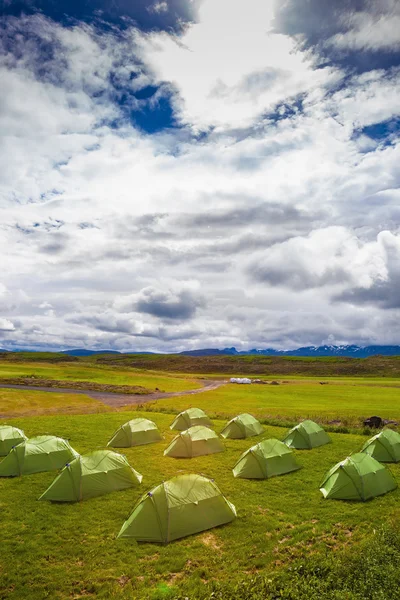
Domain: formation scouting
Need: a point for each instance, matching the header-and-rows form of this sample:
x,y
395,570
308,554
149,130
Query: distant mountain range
x,y
84,352
350,350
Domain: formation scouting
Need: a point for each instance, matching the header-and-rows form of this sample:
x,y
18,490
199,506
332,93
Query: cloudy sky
x,y
177,174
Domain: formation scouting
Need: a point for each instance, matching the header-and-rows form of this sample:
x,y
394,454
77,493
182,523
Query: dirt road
x,y
118,400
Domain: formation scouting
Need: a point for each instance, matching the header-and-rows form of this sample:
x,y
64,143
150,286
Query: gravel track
x,y
118,400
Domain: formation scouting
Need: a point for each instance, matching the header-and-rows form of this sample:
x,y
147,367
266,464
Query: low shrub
x,y
366,572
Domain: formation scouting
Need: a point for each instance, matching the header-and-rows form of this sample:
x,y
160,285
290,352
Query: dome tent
x,y
306,435
266,459
195,441
385,446
358,477
189,418
10,437
91,475
184,505
35,455
136,432
242,426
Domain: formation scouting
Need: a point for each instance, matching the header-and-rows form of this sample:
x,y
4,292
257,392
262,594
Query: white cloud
x,y
70,103
229,68
6,325
159,7
333,256
133,241
374,29
369,98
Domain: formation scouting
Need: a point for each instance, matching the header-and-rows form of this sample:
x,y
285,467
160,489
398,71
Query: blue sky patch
x,y
141,13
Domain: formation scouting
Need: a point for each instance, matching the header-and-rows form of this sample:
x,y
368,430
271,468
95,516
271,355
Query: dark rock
x,y
374,422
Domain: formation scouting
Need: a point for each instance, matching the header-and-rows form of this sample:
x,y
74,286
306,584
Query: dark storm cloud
x,y
117,325
260,212
315,22
245,211
296,277
386,295
53,248
315,19
168,305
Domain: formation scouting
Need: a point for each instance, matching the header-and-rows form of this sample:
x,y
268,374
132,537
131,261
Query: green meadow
x,y
71,550
97,374
287,541
19,403
347,402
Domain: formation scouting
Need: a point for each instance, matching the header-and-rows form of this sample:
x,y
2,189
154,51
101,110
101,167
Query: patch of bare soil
x,y
40,382
123,580
210,540
113,399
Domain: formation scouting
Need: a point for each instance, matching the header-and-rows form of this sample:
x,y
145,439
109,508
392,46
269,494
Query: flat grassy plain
x,y
79,371
20,403
348,402
71,551
254,365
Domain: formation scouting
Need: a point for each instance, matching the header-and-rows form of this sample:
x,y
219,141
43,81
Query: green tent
x,y
91,475
179,507
10,437
189,418
195,441
136,432
42,453
264,460
358,477
385,446
306,435
242,426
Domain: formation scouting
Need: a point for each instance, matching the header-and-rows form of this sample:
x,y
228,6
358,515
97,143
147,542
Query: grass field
x,y
383,366
254,365
98,374
348,403
19,403
71,551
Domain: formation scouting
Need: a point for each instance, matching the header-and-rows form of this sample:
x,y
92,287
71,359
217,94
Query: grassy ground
x,y
19,403
383,366
71,551
348,403
76,371
255,365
